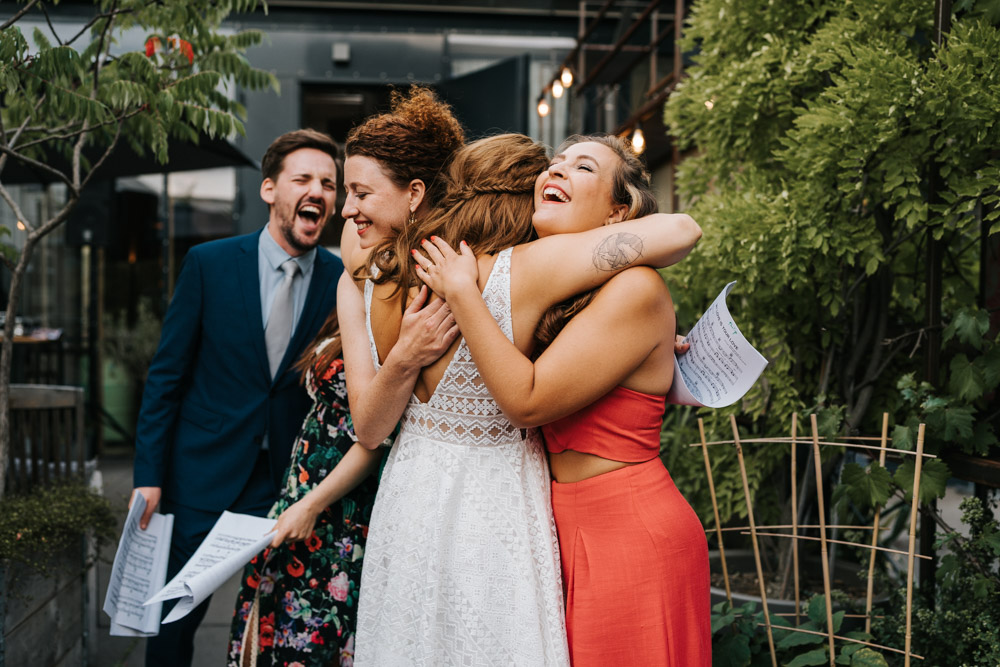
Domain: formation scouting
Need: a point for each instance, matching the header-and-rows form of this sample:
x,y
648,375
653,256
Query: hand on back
x,y
445,271
426,331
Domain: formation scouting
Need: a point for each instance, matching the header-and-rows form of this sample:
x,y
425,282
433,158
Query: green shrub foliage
x,y
961,626
828,145
50,519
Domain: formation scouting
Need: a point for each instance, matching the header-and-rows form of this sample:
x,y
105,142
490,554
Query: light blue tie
x,y
279,322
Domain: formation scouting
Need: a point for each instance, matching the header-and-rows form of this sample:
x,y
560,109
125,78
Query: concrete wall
x,y
49,620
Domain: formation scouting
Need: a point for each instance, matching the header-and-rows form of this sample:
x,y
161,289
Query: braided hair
x,y
487,202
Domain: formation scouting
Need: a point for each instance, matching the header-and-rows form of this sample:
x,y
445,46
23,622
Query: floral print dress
x,y
307,591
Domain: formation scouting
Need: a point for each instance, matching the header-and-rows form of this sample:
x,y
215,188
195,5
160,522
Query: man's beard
x,y
286,225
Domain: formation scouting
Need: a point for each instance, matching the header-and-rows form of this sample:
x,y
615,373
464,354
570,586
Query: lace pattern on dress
x,y
461,409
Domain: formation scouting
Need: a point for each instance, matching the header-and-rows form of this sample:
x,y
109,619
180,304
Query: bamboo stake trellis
x,y
756,531
795,517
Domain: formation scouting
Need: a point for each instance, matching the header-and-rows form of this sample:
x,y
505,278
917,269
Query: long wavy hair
x,y
630,186
488,202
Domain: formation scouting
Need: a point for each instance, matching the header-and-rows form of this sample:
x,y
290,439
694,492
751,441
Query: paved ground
x,y
213,635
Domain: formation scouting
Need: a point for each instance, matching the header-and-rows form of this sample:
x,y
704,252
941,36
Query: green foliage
x,y
66,101
133,344
38,525
64,90
817,132
868,486
739,639
961,626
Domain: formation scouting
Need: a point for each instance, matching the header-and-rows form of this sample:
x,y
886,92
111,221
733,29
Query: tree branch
x,y
16,17
18,213
57,219
86,128
39,165
97,18
75,133
110,149
17,133
100,54
51,27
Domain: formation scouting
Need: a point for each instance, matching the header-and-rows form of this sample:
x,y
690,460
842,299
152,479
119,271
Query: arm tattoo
x,y
617,251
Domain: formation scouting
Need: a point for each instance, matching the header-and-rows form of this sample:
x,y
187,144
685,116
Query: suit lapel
x,y
312,316
250,287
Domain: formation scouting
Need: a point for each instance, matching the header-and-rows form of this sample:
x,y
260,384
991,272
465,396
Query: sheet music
x,y
232,542
720,366
140,567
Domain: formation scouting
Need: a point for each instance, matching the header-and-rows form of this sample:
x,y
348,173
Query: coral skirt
x,y
635,570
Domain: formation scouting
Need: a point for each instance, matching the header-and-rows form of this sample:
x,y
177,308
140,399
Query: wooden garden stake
x,y
715,508
818,462
795,519
878,517
918,465
753,539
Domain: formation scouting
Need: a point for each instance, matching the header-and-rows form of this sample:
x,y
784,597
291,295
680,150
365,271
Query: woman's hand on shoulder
x,y
426,331
445,271
296,523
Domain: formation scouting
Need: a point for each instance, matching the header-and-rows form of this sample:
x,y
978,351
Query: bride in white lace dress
x,y
462,562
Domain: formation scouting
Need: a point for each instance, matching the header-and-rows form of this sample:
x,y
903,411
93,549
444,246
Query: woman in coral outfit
x,y
634,555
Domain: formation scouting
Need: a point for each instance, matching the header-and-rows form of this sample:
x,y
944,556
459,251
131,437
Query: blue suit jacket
x,y
209,398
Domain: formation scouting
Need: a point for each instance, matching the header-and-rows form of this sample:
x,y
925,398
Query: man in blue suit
x,y
221,407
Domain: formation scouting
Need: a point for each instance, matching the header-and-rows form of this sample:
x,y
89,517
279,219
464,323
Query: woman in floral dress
x,y
306,592
297,605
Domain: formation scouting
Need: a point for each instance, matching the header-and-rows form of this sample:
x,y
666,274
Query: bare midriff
x,y
572,466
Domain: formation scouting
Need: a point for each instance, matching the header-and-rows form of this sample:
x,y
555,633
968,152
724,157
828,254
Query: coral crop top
x,y
623,425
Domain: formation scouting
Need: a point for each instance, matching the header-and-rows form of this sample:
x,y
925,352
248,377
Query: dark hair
x,y
274,157
414,140
630,185
488,201
320,361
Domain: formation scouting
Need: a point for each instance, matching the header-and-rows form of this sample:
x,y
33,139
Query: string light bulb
x,y
709,104
543,107
20,225
557,89
566,77
638,141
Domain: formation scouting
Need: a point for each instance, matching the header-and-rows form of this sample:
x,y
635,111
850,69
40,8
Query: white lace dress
x,y
462,561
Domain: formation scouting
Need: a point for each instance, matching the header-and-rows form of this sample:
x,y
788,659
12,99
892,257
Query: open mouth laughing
x,y
311,212
552,193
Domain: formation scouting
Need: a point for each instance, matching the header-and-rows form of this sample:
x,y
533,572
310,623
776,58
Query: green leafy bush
x,y
739,639
37,525
830,143
960,628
